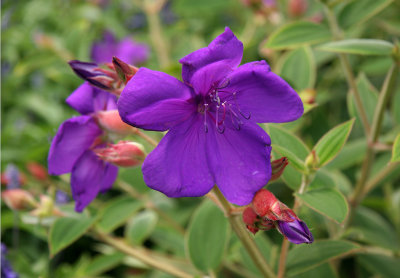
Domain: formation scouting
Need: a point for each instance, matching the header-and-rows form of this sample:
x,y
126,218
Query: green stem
x,y
152,9
142,255
337,33
371,184
384,96
244,236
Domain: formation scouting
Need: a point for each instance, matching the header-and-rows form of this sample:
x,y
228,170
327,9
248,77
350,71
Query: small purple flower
x,y
13,177
71,150
127,50
296,231
212,120
6,269
62,197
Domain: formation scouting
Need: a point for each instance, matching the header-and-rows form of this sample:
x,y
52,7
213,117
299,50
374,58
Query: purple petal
x,y
89,176
132,52
296,231
263,94
178,165
127,50
155,101
240,160
226,47
73,138
88,99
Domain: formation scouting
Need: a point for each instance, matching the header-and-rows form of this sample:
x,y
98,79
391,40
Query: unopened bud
x,y
92,73
18,199
278,166
125,71
308,96
263,201
297,7
124,153
312,161
37,171
111,121
250,218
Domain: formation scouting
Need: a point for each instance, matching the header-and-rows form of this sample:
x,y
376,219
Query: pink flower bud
x,y
297,7
124,153
278,166
37,171
111,121
18,199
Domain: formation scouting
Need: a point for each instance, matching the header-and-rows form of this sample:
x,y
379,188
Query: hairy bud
x,y
278,166
111,121
124,153
125,71
18,199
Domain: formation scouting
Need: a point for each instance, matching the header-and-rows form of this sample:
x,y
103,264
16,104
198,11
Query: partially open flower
x,y
124,153
295,231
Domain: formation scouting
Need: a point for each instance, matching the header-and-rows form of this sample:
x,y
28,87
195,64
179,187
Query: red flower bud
x,y
124,153
37,171
263,201
278,166
111,121
297,7
18,199
124,70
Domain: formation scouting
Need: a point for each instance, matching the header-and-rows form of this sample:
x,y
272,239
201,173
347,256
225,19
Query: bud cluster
x,y
267,212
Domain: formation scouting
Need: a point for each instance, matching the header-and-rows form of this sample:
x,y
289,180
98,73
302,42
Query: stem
x,y
337,34
146,137
142,255
136,195
244,236
384,96
156,34
371,184
285,242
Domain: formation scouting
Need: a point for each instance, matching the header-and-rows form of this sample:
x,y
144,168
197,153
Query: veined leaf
x,y
294,160
359,46
297,34
332,142
396,150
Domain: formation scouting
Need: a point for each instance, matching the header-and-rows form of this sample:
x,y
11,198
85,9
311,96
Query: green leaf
x,y
207,237
380,264
297,34
103,263
141,226
294,160
117,212
332,142
396,150
372,228
282,137
353,152
357,12
359,46
395,109
298,68
327,201
67,230
325,270
305,257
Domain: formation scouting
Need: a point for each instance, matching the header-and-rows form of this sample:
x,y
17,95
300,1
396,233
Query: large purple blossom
x,y
71,150
127,50
212,120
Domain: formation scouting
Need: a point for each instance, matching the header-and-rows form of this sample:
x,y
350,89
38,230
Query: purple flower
x,y
296,231
212,120
6,269
62,197
13,177
71,150
127,50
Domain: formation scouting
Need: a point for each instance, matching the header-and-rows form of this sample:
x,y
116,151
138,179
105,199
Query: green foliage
x,y
359,46
297,34
66,230
396,149
207,237
141,226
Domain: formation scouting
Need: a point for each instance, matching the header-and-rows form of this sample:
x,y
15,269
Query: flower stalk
x,y
142,255
244,236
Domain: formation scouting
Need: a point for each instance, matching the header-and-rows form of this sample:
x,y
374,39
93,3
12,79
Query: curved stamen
x,y
205,117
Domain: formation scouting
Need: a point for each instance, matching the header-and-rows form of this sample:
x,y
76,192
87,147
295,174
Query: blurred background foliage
x,y
40,36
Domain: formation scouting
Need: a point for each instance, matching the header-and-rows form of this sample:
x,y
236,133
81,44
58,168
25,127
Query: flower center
x,y
220,105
